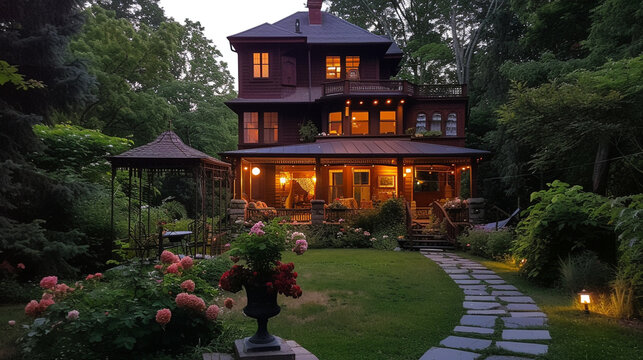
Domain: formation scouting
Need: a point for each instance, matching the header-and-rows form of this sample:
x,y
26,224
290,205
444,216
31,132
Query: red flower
x,y
228,302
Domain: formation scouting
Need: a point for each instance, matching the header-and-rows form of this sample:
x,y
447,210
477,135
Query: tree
x,y
587,117
617,30
137,12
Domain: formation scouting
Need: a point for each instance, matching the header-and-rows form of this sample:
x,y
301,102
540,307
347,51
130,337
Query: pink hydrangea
x,y
257,229
167,257
174,268
44,304
158,267
366,233
73,315
32,309
62,289
48,282
212,312
98,275
189,301
163,316
301,246
20,266
48,296
228,302
188,285
12,322
89,277
187,262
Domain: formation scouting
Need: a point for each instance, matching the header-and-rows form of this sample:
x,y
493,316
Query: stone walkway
x,y
500,323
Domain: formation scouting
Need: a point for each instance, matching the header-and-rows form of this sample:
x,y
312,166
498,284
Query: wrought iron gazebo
x,y
169,155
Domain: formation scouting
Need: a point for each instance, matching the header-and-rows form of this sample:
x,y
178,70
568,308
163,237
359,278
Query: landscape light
x,y
585,300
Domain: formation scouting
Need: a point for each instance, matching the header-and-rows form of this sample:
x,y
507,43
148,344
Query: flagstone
x,y
517,299
486,277
479,320
475,292
460,277
525,348
479,298
518,322
528,314
525,335
467,282
486,312
486,272
480,305
455,270
506,293
473,287
495,282
522,307
460,342
436,353
473,329
504,287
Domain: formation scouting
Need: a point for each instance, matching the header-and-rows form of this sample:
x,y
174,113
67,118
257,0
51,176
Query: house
x,y
379,138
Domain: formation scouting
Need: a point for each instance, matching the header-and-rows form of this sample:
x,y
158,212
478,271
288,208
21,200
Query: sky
x,y
222,18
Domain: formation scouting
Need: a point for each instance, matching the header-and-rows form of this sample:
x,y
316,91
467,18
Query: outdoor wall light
x,y
282,180
585,300
408,170
402,101
256,171
361,102
245,168
314,179
348,102
388,101
375,102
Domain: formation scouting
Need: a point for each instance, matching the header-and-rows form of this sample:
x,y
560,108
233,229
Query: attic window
x,y
333,67
260,64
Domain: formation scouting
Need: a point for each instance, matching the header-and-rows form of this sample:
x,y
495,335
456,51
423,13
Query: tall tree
x,y
138,12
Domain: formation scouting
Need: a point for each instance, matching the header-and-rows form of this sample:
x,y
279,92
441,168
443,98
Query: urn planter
x,y
262,305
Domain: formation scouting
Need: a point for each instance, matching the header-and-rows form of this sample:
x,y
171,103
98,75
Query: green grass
x,y
575,336
366,304
9,334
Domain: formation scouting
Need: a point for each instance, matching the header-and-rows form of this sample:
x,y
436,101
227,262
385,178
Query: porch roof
x,y
367,147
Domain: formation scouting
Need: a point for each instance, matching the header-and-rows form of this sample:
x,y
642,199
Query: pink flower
x,y
212,312
173,269
48,282
20,266
32,309
189,301
61,289
366,233
188,285
257,229
44,304
89,277
187,262
47,296
158,267
301,246
227,246
72,315
98,275
12,322
167,257
228,302
163,316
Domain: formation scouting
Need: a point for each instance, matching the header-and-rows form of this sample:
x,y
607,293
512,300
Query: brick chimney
x,y
314,12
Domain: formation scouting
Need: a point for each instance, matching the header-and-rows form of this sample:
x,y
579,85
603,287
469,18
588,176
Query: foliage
x,y
261,247
307,131
628,226
70,150
116,317
489,244
616,31
9,74
584,271
562,220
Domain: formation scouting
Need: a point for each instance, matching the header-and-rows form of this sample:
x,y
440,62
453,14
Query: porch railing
x,y
453,229
300,215
391,87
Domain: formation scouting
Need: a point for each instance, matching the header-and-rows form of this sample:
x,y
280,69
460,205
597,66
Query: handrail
x,y
395,87
441,215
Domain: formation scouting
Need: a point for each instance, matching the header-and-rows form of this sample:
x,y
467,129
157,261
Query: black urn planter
x,y
262,305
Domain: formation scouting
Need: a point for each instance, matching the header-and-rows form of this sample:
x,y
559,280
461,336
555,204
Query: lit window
x,y
260,65
361,185
335,123
270,127
333,67
359,123
452,125
436,122
420,123
352,67
387,122
250,127
336,186
426,181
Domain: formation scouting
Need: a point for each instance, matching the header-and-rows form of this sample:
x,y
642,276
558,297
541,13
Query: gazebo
x,y
169,155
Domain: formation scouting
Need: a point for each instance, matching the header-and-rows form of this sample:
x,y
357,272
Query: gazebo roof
x,y
166,152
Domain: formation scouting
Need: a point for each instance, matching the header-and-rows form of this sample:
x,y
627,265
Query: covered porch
x,y
357,173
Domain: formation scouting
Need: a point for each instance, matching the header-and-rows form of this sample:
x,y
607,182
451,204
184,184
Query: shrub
x,y
561,221
584,271
489,244
117,316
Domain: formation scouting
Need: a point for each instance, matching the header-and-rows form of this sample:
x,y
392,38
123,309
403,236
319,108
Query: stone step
x,y
480,305
523,322
528,314
525,335
487,321
466,343
479,298
517,299
521,347
486,312
473,330
437,353
475,292
522,307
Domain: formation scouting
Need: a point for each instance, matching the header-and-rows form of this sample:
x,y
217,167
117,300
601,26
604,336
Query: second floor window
x,y
387,122
352,67
420,123
260,65
436,122
250,127
359,123
333,67
452,125
270,127
335,123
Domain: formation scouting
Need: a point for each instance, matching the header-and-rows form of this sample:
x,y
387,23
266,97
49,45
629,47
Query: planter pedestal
x,y
284,351
262,305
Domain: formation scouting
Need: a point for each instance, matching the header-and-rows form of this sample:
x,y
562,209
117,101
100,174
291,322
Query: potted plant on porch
x,y
259,270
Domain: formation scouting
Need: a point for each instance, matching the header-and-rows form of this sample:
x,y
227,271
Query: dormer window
x,y
260,65
333,67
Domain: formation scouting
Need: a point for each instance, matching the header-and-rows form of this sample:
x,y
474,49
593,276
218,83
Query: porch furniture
x,y
350,203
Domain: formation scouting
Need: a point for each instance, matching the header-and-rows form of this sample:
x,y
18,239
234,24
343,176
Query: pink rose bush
x,y
12,322
48,282
163,316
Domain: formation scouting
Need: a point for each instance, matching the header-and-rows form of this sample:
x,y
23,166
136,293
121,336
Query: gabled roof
x,y
166,151
332,30
368,147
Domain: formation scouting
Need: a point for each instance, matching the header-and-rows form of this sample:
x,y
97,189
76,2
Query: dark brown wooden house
x,y
379,137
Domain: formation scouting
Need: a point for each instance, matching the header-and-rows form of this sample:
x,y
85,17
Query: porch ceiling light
x,y
348,102
375,102
402,101
408,170
361,102
282,180
314,178
388,101
256,171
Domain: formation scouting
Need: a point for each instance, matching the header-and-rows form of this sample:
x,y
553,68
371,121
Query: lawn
x,y
576,336
9,334
366,304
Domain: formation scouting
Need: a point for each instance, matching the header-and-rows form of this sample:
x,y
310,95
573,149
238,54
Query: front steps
x,y
421,238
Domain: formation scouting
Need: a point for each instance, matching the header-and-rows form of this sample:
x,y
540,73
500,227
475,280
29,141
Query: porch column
x,y
400,178
318,177
473,178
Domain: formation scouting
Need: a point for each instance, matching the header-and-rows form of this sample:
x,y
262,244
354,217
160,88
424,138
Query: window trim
x,y
336,66
340,122
261,64
455,123
394,121
367,121
275,128
246,128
